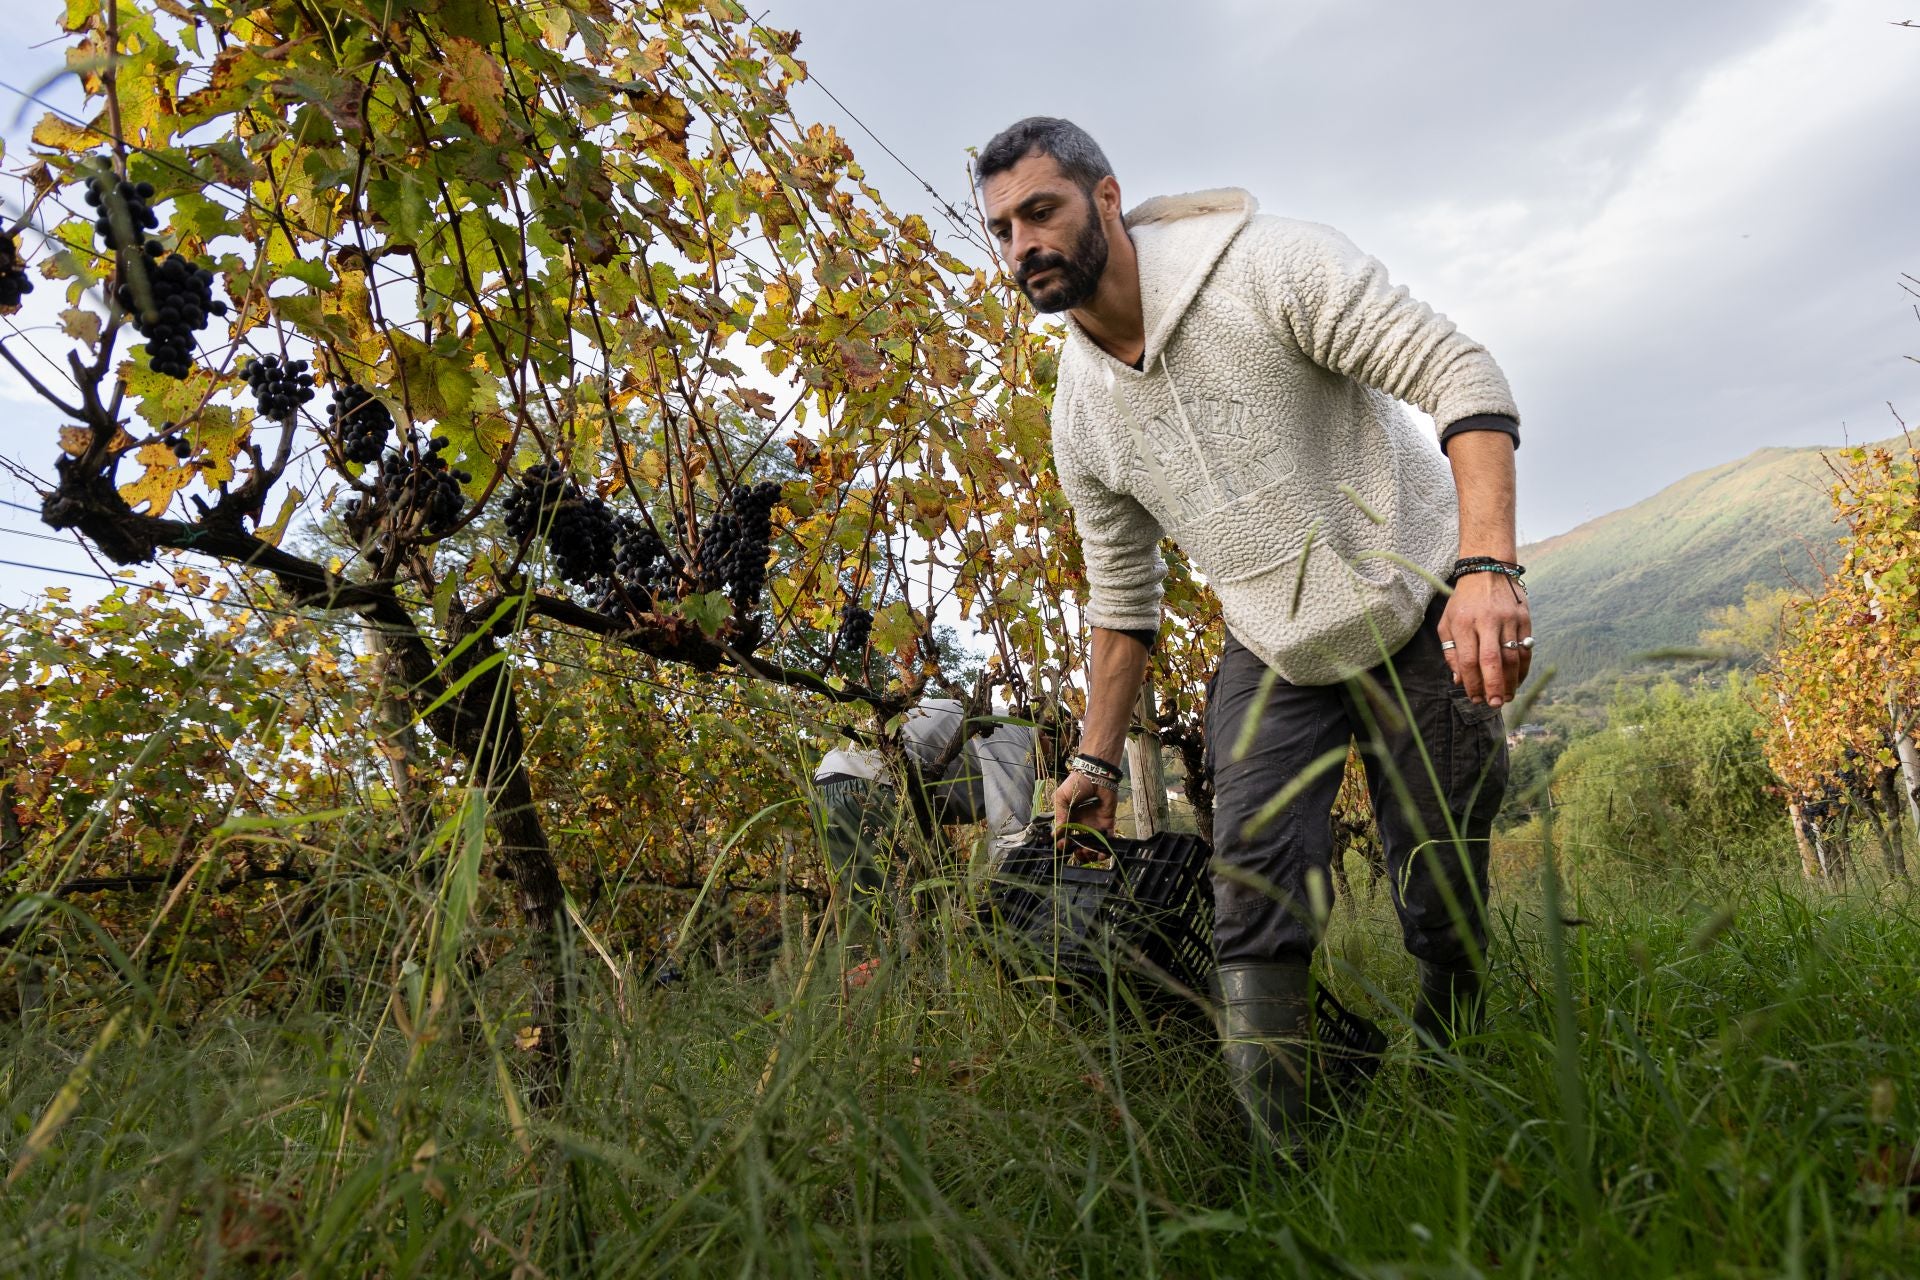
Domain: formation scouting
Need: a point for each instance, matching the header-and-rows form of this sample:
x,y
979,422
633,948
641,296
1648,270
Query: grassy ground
x,y
1700,1080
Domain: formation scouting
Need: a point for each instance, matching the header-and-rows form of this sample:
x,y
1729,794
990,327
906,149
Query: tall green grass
x,y
1706,1079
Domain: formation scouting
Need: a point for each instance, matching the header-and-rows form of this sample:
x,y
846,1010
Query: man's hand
x,y
1119,666
1083,801
1486,611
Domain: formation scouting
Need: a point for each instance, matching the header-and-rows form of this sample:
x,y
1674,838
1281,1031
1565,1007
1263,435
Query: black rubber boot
x,y
1266,1012
1449,1003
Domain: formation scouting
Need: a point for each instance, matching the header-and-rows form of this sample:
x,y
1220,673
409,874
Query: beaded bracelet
x,y
1485,564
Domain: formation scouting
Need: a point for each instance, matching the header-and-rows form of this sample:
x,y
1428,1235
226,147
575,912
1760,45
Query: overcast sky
x,y
1681,228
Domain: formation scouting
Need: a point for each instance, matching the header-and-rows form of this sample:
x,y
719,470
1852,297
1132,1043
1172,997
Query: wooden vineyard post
x,y
1809,859
1145,771
1909,757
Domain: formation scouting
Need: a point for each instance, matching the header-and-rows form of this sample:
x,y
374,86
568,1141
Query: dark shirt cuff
x,y
1145,635
1482,422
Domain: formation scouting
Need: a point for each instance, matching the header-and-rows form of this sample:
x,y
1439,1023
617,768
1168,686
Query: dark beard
x,y
1076,274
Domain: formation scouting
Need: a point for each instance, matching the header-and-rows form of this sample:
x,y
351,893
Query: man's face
x,y
1049,233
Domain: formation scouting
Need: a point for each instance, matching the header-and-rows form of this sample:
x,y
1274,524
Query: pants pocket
x,y
1477,761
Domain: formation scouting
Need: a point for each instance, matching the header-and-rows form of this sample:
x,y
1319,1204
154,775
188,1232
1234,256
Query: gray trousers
x,y
858,818
1436,773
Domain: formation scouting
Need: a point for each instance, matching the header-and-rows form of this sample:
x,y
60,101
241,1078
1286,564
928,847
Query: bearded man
x,y
1230,380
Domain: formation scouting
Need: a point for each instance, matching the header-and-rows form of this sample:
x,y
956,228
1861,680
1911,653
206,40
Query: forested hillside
x,y
1645,578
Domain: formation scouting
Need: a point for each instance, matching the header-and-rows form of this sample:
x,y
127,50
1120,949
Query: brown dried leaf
x,y
473,83
670,119
863,363
81,325
1890,1178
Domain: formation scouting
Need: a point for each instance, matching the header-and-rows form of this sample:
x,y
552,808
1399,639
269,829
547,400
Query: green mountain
x,y
1644,578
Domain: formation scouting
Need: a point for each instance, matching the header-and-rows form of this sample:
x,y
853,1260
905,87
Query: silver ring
x,y
1446,645
1524,642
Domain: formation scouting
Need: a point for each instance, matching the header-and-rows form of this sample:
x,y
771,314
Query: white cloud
x,y
1723,169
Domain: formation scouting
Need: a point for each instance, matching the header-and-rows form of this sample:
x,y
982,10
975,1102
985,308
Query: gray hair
x,y
1071,147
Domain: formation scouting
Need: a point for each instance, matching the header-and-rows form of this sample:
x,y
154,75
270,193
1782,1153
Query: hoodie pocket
x,y
1251,535
1274,527
1324,623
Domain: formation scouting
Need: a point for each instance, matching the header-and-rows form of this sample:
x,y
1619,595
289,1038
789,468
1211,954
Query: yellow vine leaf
x,y
652,468
164,477
272,533
63,135
220,434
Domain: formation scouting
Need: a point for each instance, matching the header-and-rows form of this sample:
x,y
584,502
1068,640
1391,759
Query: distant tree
x,y
1750,632
1677,775
1845,687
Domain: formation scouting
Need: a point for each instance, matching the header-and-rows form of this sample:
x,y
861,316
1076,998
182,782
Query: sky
x,y
1681,229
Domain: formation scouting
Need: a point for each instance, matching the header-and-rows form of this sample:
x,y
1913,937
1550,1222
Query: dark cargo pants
x,y
1436,768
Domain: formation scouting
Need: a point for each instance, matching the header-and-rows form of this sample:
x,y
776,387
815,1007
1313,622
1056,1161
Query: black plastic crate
x,y
1145,908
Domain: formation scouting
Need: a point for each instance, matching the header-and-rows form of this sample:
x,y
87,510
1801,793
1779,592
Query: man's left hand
x,y
1487,611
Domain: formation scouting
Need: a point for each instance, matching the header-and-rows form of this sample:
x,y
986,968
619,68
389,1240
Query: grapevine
x,y
1846,684
392,193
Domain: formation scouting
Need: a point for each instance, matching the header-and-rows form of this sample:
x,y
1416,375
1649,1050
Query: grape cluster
x,y
176,441
15,284
360,423
581,530
645,571
541,488
581,538
280,389
136,196
733,547
623,563
856,624
1819,804
417,481
182,299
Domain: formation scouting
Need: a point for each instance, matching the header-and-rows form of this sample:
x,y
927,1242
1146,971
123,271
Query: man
x,y
1229,380
989,780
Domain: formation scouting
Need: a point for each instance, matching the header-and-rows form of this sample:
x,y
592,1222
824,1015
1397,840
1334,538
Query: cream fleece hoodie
x,y
1262,430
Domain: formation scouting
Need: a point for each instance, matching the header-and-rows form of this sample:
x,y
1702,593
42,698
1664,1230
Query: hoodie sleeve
x,y
1119,540
1346,315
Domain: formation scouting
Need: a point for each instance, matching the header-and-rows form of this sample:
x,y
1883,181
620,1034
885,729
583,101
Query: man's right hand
x,y
1119,665
1082,801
